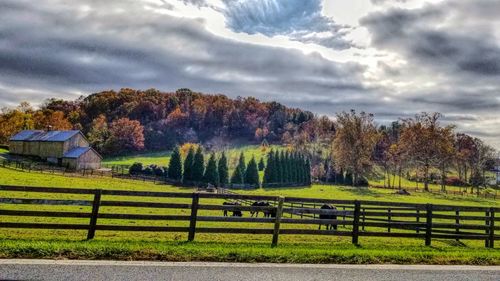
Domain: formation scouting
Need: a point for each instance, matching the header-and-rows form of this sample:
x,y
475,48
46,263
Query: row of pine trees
x,y
285,168
282,169
216,172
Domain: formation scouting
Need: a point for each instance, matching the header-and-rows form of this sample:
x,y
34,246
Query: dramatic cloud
x,y
449,55
96,46
298,19
402,58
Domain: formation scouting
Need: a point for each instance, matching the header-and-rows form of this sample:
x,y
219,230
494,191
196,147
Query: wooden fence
x,y
354,218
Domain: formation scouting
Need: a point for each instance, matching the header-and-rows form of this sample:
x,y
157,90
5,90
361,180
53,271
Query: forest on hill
x,y
132,120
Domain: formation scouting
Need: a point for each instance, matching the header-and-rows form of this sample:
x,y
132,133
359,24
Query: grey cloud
x,y
413,33
296,19
84,51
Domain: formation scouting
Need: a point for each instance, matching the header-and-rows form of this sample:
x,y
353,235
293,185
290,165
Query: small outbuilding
x,y
81,158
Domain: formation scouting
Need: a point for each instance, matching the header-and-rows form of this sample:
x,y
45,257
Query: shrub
x,y
135,169
148,171
362,182
455,181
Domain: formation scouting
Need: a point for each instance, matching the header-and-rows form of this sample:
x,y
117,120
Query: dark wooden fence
x,y
294,216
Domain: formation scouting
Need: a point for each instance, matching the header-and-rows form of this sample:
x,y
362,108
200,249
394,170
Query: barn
x,y
65,148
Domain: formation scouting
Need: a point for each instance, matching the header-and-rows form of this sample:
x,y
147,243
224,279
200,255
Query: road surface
x,y
117,270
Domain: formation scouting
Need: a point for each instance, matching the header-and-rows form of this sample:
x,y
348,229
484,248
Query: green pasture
x,y
218,247
162,158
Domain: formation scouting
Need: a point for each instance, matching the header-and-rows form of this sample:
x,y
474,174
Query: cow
x,y
328,216
236,213
267,213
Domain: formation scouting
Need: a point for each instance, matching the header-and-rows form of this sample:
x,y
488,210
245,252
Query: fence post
x,y
277,222
487,231
428,225
363,219
418,221
95,213
194,214
492,228
389,218
457,222
355,223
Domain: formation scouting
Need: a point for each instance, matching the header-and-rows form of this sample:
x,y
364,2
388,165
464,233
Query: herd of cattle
x,y
271,212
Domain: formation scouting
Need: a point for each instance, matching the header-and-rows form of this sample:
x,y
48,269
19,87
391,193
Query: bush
x,y
362,182
455,181
148,171
135,169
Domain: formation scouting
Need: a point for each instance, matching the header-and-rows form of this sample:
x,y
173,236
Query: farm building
x,y
65,148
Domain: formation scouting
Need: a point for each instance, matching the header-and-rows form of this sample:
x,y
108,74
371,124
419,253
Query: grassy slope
x,y
163,246
163,157
3,152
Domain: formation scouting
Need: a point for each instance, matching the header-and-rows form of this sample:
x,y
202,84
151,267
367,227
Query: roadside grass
x,y
34,243
245,252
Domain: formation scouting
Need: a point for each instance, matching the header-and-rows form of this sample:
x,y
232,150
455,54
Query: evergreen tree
x,y
348,179
175,165
238,176
300,169
211,175
269,170
293,168
262,166
223,170
288,168
252,173
279,167
188,166
198,166
308,172
339,177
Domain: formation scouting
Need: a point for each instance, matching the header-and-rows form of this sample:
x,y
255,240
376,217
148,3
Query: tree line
x,y
124,121
282,169
418,148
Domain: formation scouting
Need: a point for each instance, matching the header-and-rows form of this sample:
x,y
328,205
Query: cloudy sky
x,y
393,58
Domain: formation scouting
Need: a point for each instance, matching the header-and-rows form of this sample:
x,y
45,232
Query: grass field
x,y
3,153
220,247
162,158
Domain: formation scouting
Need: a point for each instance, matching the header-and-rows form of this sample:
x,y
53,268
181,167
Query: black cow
x,y
267,213
258,204
328,216
236,213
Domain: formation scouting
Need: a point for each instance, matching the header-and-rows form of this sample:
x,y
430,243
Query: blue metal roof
x,y
31,135
63,135
25,135
76,152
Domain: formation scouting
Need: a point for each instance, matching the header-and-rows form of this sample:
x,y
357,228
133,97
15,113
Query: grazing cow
x,y
236,213
328,216
267,213
258,204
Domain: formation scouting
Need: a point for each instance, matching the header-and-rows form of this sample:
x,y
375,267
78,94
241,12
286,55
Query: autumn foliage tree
x,y
125,135
354,143
426,143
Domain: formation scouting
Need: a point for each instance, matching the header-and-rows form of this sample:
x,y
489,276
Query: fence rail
x,y
353,218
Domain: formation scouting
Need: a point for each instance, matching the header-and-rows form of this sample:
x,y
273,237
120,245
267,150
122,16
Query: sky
x,y
392,58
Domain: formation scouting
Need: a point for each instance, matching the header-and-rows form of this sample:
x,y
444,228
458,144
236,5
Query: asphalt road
x,y
113,270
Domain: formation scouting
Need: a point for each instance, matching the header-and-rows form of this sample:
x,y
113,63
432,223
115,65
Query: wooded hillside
x,y
134,120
